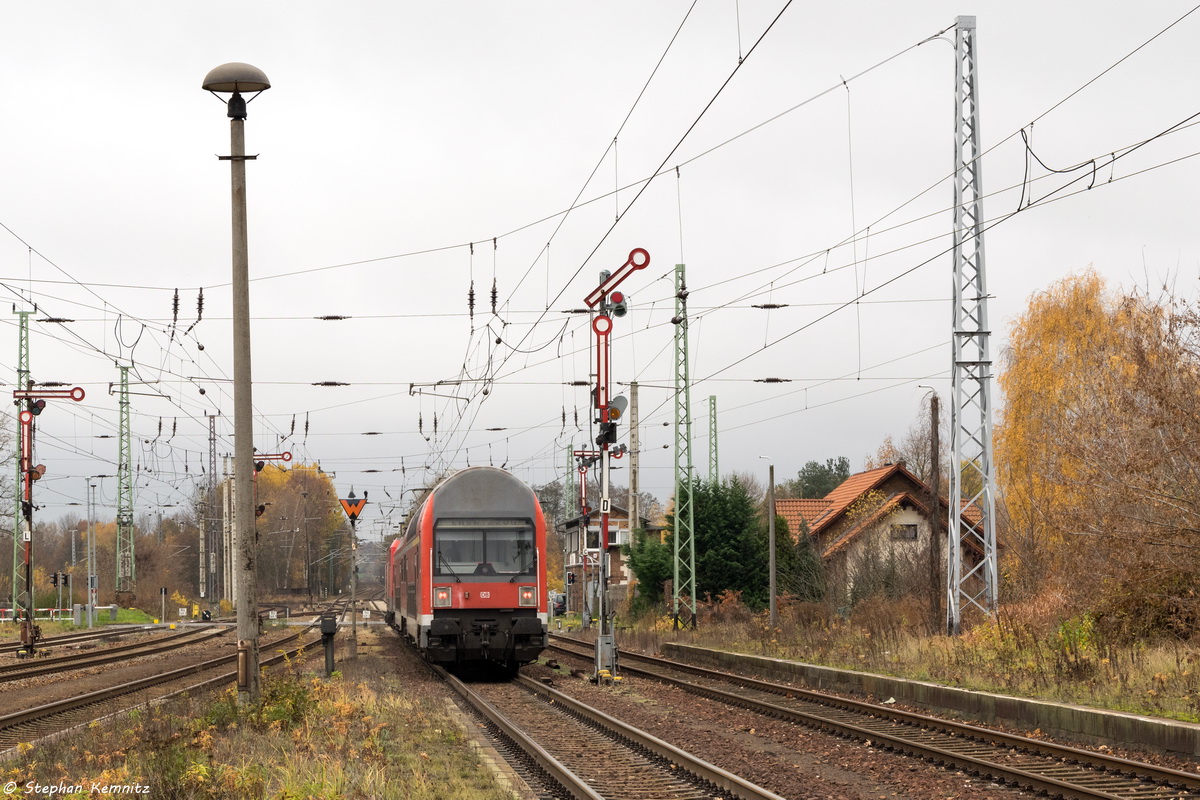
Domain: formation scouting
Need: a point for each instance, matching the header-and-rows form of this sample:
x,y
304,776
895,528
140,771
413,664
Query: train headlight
x,y
527,596
441,597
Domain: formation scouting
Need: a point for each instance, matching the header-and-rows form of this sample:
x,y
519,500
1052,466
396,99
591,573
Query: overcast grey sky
x,y
399,140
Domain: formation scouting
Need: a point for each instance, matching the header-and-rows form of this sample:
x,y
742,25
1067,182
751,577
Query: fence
x,y
6,614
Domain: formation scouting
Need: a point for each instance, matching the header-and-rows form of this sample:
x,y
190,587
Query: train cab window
x,y
484,548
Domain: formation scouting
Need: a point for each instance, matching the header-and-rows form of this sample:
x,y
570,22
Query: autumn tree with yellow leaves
x,y
303,537
1096,455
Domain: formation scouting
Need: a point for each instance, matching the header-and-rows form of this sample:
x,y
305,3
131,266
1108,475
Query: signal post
x,y
607,302
35,402
353,506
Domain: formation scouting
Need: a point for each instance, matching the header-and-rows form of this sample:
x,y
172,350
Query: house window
x,y
908,532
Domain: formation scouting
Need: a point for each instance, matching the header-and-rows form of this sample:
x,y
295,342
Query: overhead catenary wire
x,y
500,378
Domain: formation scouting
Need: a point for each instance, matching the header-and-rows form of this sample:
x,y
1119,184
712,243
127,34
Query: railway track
x,y
589,755
1056,770
73,639
54,664
35,723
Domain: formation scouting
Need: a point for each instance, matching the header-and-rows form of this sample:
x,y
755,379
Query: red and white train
x,y
466,583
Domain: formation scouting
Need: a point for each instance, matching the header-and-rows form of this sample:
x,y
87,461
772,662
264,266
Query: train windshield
x,y
484,547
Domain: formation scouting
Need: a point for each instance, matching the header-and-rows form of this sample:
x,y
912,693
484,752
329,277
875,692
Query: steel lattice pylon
x,y
18,570
569,483
972,528
635,455
126,567
714,472
684,584
208,563
569,496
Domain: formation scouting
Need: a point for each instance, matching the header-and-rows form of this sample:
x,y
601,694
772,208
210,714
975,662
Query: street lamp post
x,y
771,540
236,78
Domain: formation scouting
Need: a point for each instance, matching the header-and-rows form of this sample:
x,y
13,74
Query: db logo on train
x,y
484,595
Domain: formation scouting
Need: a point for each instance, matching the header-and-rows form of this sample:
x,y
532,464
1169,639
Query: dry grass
x,y
1033,650
367,737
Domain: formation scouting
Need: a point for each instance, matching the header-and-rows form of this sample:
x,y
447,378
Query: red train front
x,y
467,580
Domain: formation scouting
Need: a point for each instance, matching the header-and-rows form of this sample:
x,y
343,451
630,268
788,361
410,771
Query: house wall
x,y
620,577
874,559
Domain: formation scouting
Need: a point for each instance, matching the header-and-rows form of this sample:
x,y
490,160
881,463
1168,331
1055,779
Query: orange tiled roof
x,y
819,515
970,513
851,490
800,514
895,501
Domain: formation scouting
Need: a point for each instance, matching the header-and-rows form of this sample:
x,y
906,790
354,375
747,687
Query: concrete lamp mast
x,y
235,78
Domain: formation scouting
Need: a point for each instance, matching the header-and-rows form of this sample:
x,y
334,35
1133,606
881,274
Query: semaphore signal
x,y
34,401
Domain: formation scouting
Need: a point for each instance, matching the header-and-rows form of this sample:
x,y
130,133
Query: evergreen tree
x,y
652,561
815,480
731,537
730,548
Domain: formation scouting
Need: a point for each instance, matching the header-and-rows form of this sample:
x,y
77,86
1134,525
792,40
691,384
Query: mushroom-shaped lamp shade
x,y
236,77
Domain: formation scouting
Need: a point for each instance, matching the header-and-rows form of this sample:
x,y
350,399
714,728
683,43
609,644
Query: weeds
x,y
1033,650
308,737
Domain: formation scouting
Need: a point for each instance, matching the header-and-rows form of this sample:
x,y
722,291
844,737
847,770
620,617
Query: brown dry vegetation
x,y
1096,457
1034,649
377,731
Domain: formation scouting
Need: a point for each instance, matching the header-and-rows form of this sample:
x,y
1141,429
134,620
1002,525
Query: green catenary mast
x,y
714,473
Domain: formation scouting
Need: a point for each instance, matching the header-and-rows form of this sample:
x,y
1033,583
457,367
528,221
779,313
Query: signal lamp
x,y
616,407
618,304
608,434
37,407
